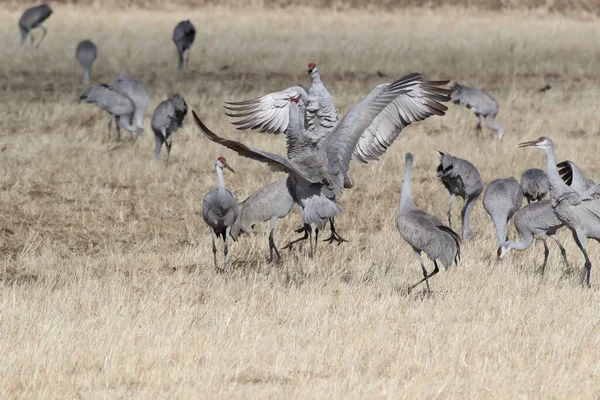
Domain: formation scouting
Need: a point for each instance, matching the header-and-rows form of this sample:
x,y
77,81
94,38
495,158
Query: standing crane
x,y
317,173
166,120
269,203
424,232
86,54
501,200
535,219
462,179
220,210
578,210
119,106
481,103
534,183
33,18
572,175
183,37
138,93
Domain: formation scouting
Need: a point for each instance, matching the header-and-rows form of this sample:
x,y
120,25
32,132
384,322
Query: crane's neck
x,y
557,186
526,241
406,200
296,124
221,183
316,78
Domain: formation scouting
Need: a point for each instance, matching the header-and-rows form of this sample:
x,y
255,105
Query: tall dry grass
x,y
107,286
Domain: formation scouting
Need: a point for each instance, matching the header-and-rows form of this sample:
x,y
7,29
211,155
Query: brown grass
x,y
106,281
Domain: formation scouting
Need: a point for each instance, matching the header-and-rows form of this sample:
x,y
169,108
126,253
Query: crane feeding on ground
x,y
424,232
501,200
183,37
166,120
534,183
138,94
86,54
33,18
483,105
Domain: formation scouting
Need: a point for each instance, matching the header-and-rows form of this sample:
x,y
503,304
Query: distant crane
x,y
534,183
318,173
166,120
220,210
462,179
269,203
86,54
578,210
33,18
572,175
119,106
183,37
481,103
537,219
138,93
501,200
424,232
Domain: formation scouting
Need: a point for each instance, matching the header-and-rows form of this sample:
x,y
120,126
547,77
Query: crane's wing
x,y
267,114
573,176
380,118
276,162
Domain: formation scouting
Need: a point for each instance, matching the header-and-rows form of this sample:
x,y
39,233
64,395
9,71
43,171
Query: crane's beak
x,y
526,144
229,168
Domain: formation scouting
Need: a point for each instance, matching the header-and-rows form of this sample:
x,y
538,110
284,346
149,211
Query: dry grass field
x,y
107,288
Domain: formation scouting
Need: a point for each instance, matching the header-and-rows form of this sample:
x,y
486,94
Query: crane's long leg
x,y
225,248
181,55
334,235
117,123
452,196
40,41
307,232
316,241
581,241
213,236
272,241
168,145
546,253
157,147
563,252
187,57
479,122
466,216
110,127
425,275
31,37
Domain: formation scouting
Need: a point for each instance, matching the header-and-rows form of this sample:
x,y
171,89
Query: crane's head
x,y
295,99
312,67
503,251
222,163
544,143
408,159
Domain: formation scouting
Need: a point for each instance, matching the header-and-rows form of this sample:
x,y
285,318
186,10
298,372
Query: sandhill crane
x,y
220,210
462,179
502,198
32,18
424,232
578,210
119,106
537,219
572,175
138,93
166,120
534,183
481,103
317,173
183,37
86,54
269,203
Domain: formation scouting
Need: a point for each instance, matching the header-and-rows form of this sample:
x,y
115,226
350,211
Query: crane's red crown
x,y
294,99
312,65
499,251
222,159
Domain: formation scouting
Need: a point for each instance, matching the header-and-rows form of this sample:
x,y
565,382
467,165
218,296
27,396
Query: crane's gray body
x,y
483,105
461,179
86,54
118,105
501,200
534,183
183,37
138,93
166,120
424,232
269,203
33,18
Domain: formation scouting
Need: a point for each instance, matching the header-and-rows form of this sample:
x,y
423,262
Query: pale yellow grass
x,y
108,288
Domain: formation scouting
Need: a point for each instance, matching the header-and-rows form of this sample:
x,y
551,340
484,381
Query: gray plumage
x,y
166,120
424,232
219,211
501,200
183,37
318,172
86,54
119,106
578,210
269,203
534,183
138,93
572,175
535,219
462,179
481,103
33,18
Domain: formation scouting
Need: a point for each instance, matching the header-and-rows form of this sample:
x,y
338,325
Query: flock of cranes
x,y
321,146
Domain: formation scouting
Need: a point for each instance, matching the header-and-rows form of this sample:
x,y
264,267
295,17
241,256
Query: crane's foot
x,y
335,237
306,229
